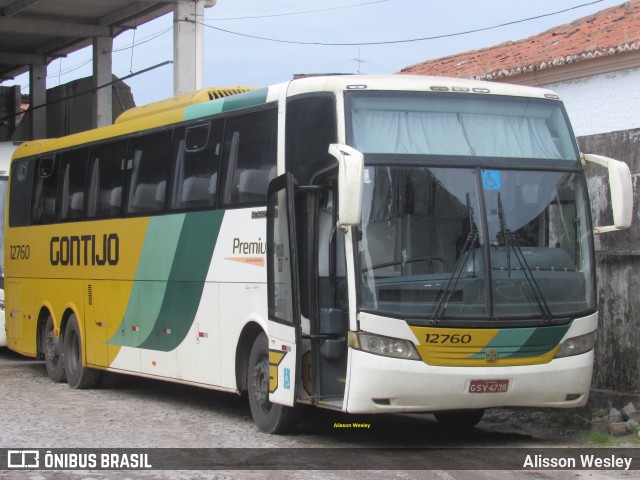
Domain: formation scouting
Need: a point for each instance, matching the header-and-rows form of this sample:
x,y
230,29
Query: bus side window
x,y
310,129
196,162
20,193
147,167
105,178
73,169
249,157
45,185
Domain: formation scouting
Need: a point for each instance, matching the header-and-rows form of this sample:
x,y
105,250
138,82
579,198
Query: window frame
x,y
229,163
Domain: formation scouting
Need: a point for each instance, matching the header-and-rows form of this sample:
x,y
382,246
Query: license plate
x,y
488,386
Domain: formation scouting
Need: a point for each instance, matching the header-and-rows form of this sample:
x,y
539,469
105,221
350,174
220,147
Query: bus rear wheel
x,y
459,419
51,347
78,376
269,417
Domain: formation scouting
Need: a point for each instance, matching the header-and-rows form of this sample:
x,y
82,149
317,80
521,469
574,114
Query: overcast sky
x,y
237,59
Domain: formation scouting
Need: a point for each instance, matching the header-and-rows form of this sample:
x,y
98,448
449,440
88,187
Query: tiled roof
x,y
607,32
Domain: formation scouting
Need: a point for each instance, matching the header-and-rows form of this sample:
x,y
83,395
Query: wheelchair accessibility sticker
x,y
491,179
287,379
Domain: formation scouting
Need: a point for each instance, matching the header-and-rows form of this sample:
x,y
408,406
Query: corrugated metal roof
x,y
34,32
607,32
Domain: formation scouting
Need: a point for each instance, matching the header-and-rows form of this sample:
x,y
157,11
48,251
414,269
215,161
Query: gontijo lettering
x,y
85,250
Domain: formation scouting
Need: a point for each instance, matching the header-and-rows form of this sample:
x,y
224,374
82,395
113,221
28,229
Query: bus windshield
x,y
463,125
441,243
470,242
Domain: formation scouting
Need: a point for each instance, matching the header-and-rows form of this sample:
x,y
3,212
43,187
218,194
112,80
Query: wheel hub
x,y
52,346
261,383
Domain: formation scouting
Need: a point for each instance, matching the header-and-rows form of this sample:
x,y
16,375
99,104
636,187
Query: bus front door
x,y
283,292
325,299
308,307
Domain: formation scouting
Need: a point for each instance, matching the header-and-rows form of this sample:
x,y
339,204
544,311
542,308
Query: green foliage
x,y
598,438
576,419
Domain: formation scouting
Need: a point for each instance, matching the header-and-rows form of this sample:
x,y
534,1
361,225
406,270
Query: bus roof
x,y
337,83
213,100
156,114
192,98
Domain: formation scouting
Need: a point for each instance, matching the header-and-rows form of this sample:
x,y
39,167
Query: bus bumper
x,y
380,384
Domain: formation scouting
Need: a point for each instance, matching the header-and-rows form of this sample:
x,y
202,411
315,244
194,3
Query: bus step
x,y
333,403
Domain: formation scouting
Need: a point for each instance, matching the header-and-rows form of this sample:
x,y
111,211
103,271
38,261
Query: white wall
x,y
603,103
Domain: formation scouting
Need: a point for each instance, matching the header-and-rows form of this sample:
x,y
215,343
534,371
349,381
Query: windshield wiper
x,y
458,268
508,238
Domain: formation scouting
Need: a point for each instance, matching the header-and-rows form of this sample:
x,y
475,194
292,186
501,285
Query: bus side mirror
x,y
350,182
621,191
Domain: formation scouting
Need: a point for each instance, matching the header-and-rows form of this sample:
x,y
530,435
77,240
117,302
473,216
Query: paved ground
x,y
37,413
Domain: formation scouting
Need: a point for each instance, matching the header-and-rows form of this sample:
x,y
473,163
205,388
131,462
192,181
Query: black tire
x,y
78,376
269,417
51,347
459,419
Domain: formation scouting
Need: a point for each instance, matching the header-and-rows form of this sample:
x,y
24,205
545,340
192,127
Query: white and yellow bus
x,y
360,243
6,151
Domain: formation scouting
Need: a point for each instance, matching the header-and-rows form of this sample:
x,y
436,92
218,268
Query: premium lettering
x,y
249,248
85,250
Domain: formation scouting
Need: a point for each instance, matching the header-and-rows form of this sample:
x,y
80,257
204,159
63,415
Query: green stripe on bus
x,y
247,99
186,281
169,280
234,102
524,342
203,109
148,291
541,341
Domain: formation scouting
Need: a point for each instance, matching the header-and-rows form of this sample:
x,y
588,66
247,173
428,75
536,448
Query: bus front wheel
x,y
459,419
51,347
78,376
269,417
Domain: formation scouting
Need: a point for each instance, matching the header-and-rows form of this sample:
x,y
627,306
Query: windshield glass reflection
x,y
423,251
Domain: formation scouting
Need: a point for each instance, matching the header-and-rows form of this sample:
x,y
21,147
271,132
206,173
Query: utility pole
x,y
188,45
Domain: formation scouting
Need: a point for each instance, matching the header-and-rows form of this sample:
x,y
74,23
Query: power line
x,y
144,40
134,44
296,13
390,42
69,69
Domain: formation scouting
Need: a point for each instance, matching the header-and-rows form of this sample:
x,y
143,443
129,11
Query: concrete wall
x,y
9,107
603,103
605,113
70,111
617,367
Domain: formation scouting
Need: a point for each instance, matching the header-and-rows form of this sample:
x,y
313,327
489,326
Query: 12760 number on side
x,y
19,252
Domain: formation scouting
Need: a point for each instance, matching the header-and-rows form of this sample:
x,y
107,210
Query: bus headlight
x,y
385,346
577,345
